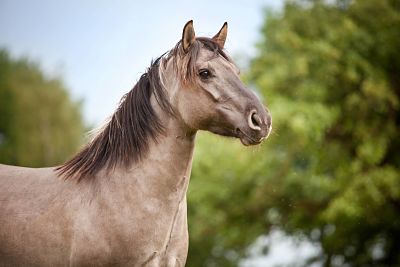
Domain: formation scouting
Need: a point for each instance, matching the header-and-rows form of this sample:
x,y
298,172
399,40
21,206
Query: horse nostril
x,y
254,121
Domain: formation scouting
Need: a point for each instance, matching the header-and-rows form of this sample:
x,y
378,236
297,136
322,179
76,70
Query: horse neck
x,y
169,161
165,169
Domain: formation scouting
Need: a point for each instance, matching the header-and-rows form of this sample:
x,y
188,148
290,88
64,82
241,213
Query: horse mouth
x,y
246,139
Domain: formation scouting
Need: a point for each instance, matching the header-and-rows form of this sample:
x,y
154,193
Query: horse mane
x,y
125,138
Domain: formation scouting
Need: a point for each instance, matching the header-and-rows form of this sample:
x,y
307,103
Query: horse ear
x,y
188,35
220,37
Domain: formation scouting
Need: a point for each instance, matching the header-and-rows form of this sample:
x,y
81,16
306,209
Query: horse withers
x,y
121,200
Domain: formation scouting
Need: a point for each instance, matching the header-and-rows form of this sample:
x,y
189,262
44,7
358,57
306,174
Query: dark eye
x,y
204,74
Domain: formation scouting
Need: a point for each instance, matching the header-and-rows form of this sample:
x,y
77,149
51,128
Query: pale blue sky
x,y
101,49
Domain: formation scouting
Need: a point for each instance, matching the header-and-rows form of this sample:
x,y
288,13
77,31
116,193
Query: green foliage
x,y
330,72
39,123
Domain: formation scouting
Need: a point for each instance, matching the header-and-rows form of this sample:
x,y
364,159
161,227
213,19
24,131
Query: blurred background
x,y
323,190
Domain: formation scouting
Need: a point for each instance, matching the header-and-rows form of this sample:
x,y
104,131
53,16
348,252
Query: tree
x,y
329,71
39,123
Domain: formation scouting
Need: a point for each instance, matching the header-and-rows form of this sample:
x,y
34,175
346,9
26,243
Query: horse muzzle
x,y
258,128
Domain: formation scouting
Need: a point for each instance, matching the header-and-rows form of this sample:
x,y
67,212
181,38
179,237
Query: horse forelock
x,y
185,62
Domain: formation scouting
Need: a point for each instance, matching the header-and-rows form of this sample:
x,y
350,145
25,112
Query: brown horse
x,y
121,201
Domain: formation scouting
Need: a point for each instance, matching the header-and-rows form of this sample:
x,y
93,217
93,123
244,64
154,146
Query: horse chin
x,y
223,131
248,142
246,139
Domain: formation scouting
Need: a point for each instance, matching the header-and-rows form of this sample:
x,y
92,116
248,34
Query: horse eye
x,y
204,74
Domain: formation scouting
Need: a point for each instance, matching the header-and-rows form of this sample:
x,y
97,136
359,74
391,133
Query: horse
x,y
121,200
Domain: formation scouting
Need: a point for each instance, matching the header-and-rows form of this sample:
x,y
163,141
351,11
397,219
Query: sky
x,y
283,250
101,49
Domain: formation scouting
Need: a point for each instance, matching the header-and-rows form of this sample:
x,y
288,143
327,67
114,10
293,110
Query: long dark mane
x,y
125,138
